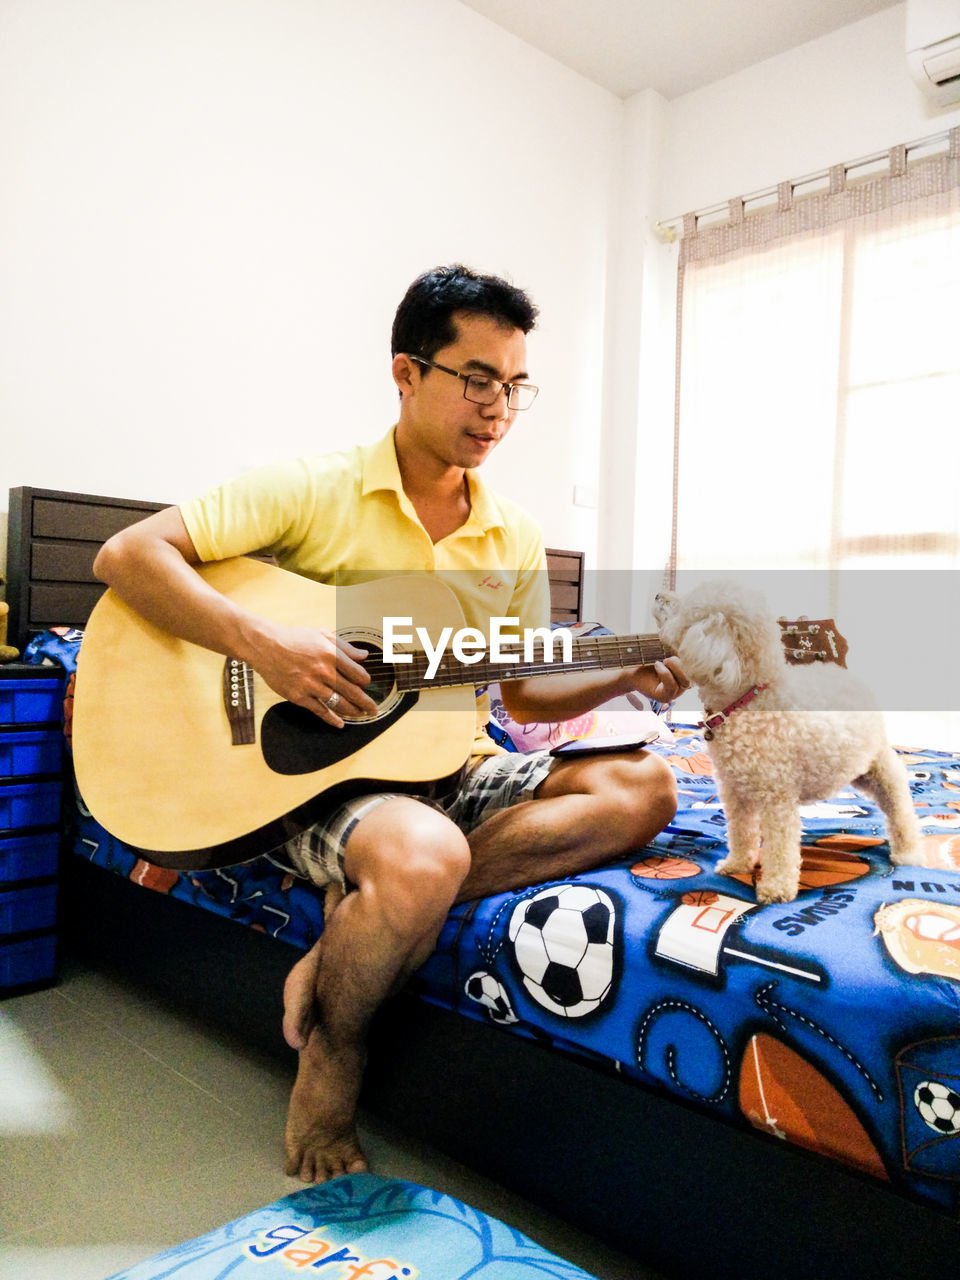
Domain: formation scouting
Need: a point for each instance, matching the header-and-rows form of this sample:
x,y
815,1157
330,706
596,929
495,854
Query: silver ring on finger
x,y
333,701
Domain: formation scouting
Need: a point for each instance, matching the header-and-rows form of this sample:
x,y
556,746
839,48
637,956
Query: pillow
x,y
630,714
356,1226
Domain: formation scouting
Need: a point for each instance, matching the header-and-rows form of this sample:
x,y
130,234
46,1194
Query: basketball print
x,y
847,842
700,898
664,867
821,867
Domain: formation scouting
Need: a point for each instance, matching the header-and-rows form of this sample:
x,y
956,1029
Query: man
x,y
410,502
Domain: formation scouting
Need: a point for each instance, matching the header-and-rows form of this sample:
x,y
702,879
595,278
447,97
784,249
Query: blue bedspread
x,y
832,1021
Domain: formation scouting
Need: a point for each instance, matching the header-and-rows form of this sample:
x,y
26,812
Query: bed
x,y
715,1088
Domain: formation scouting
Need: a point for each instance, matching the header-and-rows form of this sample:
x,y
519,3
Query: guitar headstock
x,y
812,640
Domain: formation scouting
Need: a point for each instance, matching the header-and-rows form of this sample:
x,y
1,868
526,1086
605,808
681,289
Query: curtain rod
x,y
670,229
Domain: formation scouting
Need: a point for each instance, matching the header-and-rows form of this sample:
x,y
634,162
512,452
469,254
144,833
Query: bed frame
x,y
654,1177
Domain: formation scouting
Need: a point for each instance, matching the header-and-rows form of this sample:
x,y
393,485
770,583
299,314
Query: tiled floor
x,y
125,1129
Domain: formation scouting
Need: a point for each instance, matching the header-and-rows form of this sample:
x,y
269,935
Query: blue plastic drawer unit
x,y
27,962
29,804
30,752
30,699
28,857
27,910
31,765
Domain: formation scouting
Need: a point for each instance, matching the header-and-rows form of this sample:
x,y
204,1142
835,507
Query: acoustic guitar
x,y
194,761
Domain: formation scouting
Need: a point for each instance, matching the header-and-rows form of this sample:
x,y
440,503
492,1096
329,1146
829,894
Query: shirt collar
x,y
382,471
484,508
380,467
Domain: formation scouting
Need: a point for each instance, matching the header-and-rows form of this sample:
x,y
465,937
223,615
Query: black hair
x,y
424,322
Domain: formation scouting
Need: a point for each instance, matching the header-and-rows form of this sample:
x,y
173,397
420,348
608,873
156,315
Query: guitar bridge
x,y
238,701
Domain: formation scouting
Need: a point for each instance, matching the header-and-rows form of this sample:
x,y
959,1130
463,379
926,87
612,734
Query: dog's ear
x,y
709,649
729,674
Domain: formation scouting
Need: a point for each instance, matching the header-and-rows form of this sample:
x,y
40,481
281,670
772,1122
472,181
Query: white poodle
x,y
781,734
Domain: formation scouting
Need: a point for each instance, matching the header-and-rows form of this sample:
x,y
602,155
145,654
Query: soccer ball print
x,y
939,1107
490,992
564,947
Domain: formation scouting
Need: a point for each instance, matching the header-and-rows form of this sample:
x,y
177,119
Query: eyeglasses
x,y
480,388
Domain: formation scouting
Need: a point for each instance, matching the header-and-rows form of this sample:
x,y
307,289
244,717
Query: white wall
x,y
212,207
635,503
836,99
846,95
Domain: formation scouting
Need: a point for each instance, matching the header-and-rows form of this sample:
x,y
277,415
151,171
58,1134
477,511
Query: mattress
x,y
832,1022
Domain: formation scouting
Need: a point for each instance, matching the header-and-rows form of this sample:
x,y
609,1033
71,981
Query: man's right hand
x,y
152,564
309,665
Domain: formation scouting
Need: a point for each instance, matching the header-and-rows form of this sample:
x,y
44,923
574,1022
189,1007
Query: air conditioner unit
x,y
933,48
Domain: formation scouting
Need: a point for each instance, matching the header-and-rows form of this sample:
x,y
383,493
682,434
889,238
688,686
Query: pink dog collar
x,y
716,721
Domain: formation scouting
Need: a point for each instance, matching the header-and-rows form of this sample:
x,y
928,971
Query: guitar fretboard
x,y
589,653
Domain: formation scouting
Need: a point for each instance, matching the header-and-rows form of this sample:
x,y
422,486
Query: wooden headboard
x,y
53,538
566,585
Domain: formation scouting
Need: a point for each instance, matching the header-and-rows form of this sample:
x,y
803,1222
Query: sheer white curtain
x,y
819,394
818,409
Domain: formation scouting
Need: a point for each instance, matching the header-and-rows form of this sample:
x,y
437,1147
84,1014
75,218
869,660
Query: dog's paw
x,y
909,857
769,892
736,865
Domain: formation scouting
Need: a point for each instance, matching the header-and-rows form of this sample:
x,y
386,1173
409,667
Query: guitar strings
x,y
593,653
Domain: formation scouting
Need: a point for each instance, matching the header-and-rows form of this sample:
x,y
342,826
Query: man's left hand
x,y
664,681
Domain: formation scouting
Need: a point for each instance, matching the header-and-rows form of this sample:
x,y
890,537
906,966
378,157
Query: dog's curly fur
x,y
805,737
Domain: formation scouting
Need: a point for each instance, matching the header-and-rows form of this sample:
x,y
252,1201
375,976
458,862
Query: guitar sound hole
x,y
382,680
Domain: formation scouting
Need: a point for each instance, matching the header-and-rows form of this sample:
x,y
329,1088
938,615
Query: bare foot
x,y
300,998
321,1137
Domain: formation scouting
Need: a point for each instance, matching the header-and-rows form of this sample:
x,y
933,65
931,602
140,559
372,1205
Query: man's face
x,y
455,430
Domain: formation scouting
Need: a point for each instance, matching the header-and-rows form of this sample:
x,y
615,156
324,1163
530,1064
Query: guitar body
x,y
199,768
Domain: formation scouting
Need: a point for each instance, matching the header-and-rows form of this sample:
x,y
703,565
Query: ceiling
x,y
673,46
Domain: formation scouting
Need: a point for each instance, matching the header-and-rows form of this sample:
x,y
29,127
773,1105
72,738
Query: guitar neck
x,y
589,653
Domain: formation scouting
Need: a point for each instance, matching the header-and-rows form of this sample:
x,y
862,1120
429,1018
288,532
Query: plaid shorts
x,y
492,784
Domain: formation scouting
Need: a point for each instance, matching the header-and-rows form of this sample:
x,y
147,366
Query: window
x,y
818,417
819,422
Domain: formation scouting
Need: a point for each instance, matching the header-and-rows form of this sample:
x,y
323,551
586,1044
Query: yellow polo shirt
x,y
344,518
